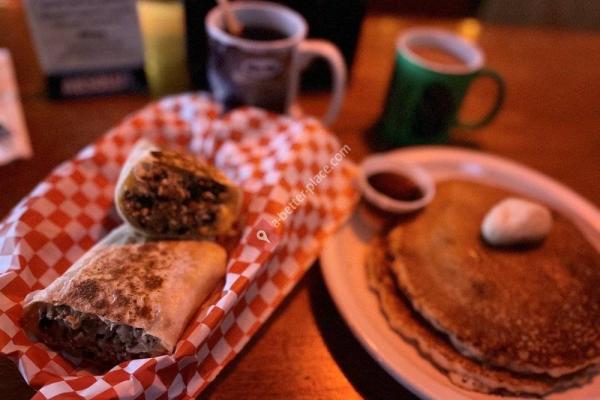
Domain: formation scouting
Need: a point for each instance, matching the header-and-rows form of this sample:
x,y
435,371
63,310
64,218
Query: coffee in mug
x,y
261,33
433,72
261,67
436,55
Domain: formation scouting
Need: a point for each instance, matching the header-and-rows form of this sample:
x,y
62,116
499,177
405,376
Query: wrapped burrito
x,y
163,193
125,298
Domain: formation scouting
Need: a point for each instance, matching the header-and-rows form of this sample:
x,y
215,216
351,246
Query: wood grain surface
x,y
550,121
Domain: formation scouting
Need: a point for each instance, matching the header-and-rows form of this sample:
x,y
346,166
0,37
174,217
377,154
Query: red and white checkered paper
x,y
271,157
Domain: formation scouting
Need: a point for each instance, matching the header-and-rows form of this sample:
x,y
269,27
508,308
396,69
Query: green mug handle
x,y
499,100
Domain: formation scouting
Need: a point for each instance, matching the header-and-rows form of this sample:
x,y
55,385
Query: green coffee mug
x,y
433,72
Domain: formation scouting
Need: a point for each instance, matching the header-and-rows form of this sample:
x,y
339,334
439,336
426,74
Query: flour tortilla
x,y
128,284
147,155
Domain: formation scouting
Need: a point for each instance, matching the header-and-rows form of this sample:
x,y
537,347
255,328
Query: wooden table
x,y
550,122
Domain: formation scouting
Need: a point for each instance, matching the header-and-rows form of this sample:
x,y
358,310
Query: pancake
x,y
528,310
436,347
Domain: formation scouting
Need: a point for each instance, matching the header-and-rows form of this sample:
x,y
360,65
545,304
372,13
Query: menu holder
x,y
87,48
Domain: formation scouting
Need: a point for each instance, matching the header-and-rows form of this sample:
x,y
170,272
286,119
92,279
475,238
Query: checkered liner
x,y
270,156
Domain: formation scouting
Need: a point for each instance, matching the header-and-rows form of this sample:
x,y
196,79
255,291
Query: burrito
x,y
126,298
163,193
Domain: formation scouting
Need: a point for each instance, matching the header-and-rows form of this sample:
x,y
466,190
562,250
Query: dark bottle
x,y
197,44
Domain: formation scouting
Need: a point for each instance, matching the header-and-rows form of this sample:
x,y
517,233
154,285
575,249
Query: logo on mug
x,y
259,69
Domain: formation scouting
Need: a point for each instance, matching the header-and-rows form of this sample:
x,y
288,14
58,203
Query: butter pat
x,y
516,221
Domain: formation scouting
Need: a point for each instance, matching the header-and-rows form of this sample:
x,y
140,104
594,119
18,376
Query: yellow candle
x,y
162,23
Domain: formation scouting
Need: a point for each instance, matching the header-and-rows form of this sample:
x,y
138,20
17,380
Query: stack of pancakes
x,y
522,321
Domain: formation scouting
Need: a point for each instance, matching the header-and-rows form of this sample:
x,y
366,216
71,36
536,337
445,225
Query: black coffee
x,y
239,76
262,33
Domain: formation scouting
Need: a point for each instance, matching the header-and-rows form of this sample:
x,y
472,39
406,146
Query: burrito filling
x,y
86,335
170,200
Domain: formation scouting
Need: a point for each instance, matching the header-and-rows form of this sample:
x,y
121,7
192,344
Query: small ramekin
x,y
382,163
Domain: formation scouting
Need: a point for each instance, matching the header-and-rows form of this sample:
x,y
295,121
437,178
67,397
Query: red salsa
x,y
395,186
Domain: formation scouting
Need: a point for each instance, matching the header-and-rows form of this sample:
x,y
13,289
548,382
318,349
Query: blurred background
x,y
577,14
175,46
340,21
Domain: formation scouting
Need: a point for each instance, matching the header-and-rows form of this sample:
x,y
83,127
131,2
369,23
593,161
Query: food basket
x,y
297,186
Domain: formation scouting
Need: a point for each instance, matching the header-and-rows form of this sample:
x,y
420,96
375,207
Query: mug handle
x,y
308,50
499,100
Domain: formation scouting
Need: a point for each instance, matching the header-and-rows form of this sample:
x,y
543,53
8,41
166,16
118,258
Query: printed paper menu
x,y
87,46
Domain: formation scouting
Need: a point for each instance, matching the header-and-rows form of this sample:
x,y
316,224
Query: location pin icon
x,y
262,235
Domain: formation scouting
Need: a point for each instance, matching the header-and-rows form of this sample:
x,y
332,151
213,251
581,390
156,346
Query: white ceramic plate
x,y
343,255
